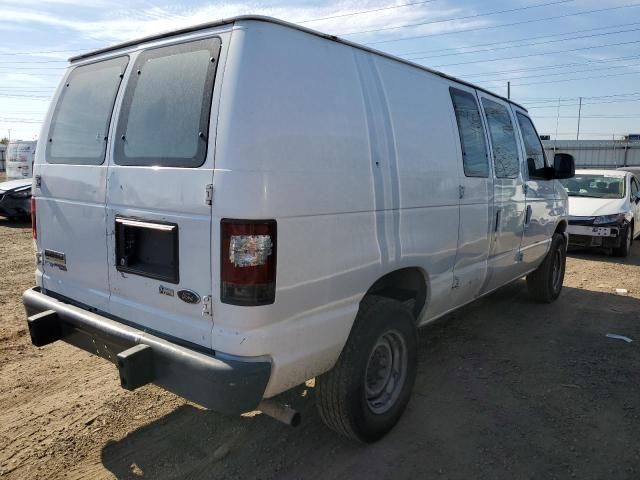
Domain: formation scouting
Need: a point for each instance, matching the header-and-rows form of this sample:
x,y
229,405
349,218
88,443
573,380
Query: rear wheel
x,y
625,242
365,393
545,283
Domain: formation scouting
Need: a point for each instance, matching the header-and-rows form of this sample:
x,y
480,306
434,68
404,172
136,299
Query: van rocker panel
x,y
222,385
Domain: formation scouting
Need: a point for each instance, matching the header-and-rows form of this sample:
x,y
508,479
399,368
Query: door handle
x,y
527,217
497,219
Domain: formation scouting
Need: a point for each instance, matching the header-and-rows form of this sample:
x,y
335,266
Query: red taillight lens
x,y
34,230
248,262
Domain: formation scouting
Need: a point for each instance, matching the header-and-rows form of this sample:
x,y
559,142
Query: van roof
x,y
276,21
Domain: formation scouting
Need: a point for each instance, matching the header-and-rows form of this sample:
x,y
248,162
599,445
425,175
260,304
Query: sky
x,y
552,51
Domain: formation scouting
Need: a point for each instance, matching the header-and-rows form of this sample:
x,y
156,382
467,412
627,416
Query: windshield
x,y
594,186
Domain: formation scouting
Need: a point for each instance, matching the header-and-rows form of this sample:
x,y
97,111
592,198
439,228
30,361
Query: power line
x,y
533,54
37,53
590,133
537,37
14,120
34,61
446,54
551,67
27,89
530,44
488,27
20,87
362,12
583,104
584,96
560,73
466,17
31,68
550,99
30,74
48,97
602,117
573,79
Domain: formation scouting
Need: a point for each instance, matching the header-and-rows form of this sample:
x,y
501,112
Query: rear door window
x,y
503,139
80,122
472,139
164,119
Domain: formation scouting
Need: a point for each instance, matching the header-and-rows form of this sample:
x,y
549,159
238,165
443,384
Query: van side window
x,y
503,139
472,140
164,119
634,188
80,122
536,160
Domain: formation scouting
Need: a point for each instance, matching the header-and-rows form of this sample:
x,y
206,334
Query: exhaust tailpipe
x,y
282,413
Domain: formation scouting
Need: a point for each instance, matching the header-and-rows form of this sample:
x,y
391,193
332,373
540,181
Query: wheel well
x,y
562,227
407,285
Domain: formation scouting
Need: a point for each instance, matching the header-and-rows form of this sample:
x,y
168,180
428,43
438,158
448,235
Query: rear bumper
x,y
220,384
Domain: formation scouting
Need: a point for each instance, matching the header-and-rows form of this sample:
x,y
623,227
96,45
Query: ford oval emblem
x,y
188,296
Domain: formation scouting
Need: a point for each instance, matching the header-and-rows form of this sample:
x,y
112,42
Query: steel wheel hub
x,y
386,372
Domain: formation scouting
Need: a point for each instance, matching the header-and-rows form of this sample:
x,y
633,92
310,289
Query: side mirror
x,y
636,197
544,173
564,166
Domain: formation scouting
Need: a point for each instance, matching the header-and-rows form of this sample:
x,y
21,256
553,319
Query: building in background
x,y
19,159
598,153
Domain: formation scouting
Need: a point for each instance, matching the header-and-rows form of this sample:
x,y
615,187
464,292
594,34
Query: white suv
x,y
231,209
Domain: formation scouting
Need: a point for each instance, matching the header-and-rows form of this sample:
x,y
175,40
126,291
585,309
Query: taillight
x,y
248,262
34,230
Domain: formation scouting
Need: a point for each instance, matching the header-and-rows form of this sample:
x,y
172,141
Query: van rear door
x,y
72,176
158,216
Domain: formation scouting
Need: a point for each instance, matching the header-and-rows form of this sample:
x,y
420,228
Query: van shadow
x,y
506,388
602,256
16,222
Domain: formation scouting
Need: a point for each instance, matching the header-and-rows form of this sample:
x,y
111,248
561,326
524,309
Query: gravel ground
x,y
506,389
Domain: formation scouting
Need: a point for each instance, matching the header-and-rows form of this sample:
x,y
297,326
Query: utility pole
x,y
509,90
579,112
557,123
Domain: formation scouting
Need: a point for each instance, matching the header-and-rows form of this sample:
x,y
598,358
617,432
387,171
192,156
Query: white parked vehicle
x,y
232,209
635,170
19,159
603,208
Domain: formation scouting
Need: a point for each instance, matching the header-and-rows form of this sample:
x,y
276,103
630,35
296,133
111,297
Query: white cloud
x,y
41,3
128,24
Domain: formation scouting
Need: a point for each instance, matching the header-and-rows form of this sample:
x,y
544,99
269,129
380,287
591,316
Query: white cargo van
x,y
232,209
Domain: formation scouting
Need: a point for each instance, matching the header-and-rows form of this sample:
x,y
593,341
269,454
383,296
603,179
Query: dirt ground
x,y
506,389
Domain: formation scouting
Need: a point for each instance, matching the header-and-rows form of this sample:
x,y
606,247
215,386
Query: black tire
x,y
625,242
344,395
545,283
